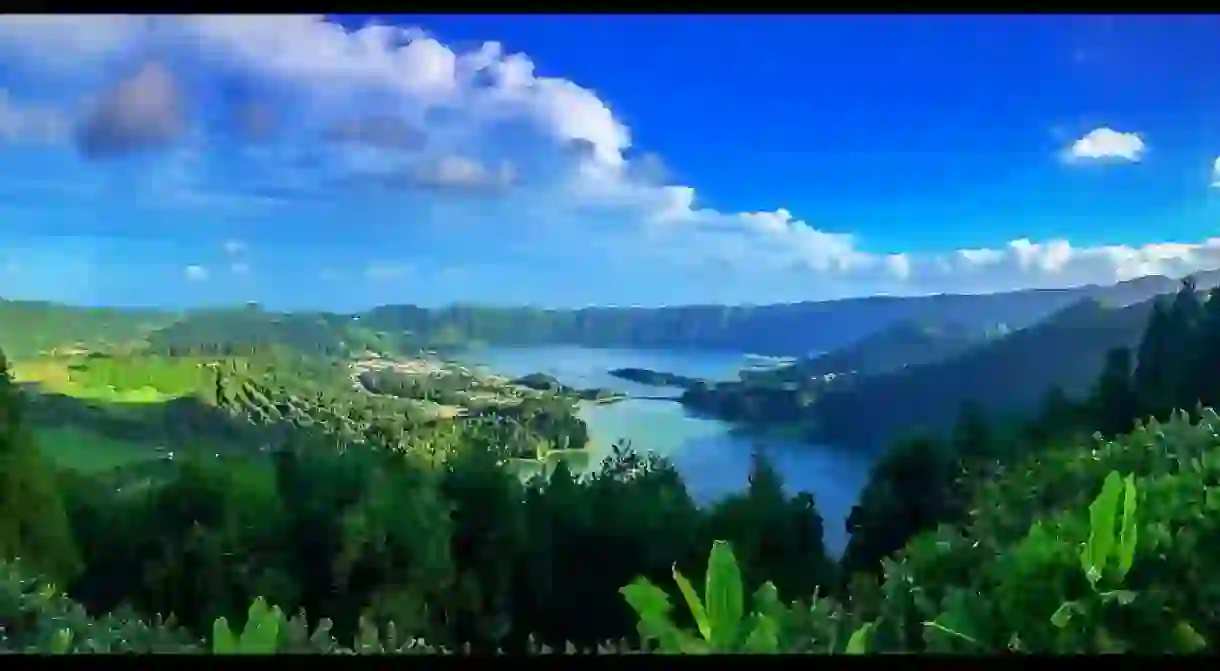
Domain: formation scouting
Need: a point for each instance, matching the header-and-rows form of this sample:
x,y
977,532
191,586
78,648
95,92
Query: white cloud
x,y
1107,143
460,172
234,247
394,106
899,265
1216,173
196,273
77,41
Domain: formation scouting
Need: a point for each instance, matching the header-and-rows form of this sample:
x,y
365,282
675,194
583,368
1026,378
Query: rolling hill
x,y
906,343
1002,375
27,328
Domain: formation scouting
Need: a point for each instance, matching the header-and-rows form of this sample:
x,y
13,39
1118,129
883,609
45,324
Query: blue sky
x,y
343,162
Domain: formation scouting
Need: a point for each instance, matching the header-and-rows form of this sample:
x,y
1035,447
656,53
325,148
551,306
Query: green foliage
x,y
30,328
1003,538
33,524
260,636
720,622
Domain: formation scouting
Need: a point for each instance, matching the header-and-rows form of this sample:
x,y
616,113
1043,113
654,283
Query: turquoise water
x,y
712,459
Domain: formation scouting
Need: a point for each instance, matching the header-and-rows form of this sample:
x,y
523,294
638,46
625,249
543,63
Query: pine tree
x,y
1114,399
1058,416
33,523
1207,369
972,436
1153,381
1186,316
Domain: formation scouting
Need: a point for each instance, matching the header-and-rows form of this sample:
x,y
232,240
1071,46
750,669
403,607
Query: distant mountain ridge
x,y
780,330
905,343
1003,375
793,329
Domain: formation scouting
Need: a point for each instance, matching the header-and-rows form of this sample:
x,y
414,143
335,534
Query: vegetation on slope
x,y
1003,376
791,329
905,344
250,329
985,543
30,328
1000,376
124,409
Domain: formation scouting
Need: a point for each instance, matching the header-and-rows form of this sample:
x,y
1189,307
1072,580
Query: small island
x,y
547,383
657,378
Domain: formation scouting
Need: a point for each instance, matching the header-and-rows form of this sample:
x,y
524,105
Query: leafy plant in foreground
x,y
260,636
723,626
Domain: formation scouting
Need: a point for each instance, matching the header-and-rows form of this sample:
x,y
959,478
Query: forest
x,y
795,329
1083,526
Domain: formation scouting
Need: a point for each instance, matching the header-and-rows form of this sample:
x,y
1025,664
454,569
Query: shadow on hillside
x,y
167,425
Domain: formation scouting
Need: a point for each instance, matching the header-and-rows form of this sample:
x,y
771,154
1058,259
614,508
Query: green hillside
x,y
922,378
1001,376
904,344
991,542
28,328
248,329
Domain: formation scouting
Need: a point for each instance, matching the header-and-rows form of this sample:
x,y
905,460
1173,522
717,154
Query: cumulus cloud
x,y
383,132
1216,173
1107,143
463,173
81,40
395,106
234,247
196,273
143,111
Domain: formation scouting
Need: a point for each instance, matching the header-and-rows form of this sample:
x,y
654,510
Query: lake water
x,y
712,459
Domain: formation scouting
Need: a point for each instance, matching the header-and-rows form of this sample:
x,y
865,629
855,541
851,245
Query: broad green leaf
x,y
368,636
1102,513
766,601
1063,614
687,643
262,633
651,606
858,643
695,605
764,635
1128,532
1122,596
646,599
223,640
724,595
61,643
1187,639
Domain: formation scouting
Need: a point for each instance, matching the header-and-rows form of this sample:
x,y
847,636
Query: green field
x,y
132,379
89,452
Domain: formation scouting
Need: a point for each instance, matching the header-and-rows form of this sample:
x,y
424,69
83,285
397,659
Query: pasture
x,y
128,379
